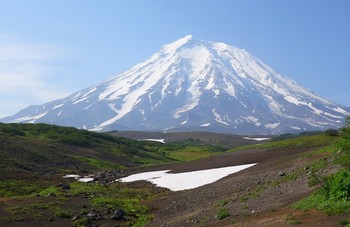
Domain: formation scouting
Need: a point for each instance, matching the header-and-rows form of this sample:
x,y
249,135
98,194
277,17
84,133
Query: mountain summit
x,y
193,84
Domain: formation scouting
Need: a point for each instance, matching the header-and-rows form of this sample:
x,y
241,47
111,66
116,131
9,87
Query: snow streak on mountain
x,y
193,84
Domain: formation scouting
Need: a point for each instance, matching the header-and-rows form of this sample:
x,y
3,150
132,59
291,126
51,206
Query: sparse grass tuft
x,y
63,213
222,214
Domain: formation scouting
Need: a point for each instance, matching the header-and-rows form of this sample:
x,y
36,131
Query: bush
x,y
332,132
222,214
12,131
333,197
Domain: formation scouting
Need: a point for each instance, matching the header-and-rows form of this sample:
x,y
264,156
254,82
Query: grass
x,y
222,214
333,197
192,153
115,197
100,164
302,141
345,222
63,213
222,202
10,188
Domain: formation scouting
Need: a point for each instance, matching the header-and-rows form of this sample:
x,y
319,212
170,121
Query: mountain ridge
x,y
193,84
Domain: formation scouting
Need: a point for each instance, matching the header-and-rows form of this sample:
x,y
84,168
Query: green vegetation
x,y
222,214
100,164
345,222
333,197
222,202
49,148
63,213
193,153
10,188
297,141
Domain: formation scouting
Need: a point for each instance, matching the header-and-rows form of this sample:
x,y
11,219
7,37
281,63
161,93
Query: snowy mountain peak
x,y
193,84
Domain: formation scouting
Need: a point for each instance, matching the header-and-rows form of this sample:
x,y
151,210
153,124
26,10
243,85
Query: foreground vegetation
x,y
333,196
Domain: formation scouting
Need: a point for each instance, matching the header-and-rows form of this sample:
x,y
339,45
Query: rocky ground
x,y
258,196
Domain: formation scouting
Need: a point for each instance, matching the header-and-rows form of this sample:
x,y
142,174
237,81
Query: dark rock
x,y
99,176
118,215
92,215
65,186
75,218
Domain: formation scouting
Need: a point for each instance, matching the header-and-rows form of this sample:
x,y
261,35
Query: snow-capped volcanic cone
x,y
193,84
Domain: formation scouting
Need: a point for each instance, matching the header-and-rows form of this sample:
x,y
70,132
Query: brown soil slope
x,y
258,196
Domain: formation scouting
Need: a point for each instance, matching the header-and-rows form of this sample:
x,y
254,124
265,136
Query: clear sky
x,y
52,48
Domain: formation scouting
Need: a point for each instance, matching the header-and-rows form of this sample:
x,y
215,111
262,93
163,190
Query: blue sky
x,y
50,49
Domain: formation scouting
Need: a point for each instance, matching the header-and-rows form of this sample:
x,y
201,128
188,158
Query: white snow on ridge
x,y
205,125
253,120
57,106
331,115
292,100
187,180
272,125
218,118
29,119
295,128
340,110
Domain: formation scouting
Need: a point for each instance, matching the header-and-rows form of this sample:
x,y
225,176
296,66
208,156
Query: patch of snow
x,y
295,128
57,106
256,139
218,118
272,125
292,100
340,110
245,106
253,120
217,93
331,115
155,140
205,125
79,100
72,176
59,113
30,119
86,179
92,90
186,180
184,122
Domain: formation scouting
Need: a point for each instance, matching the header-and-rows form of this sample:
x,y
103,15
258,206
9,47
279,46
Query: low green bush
x,y
222,214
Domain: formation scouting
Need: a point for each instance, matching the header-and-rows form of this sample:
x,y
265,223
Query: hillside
x,y
49,149
33,192
204,138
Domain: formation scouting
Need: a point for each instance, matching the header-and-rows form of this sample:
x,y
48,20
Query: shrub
x,y
12,131
332,132
63,213
333,197
222,214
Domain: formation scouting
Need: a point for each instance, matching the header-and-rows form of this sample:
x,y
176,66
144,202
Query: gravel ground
x,y
267,189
